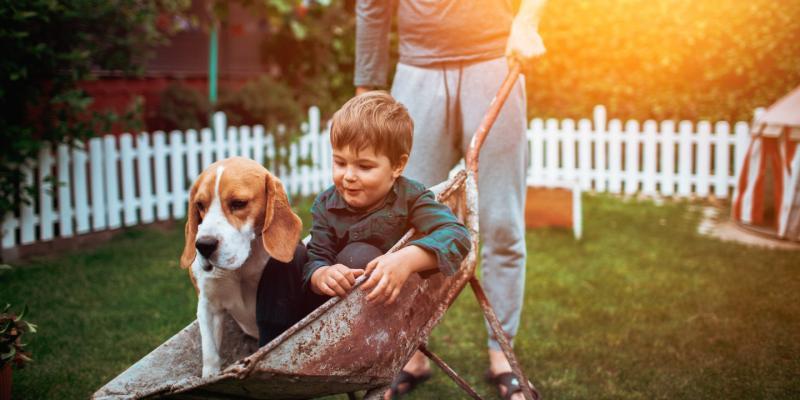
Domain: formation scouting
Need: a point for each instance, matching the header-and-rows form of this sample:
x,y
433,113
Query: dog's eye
x,y
237,204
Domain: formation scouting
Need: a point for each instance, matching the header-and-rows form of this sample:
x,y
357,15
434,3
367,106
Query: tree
x,y
50,47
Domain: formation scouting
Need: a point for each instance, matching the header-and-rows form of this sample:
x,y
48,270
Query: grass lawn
x,y
641,308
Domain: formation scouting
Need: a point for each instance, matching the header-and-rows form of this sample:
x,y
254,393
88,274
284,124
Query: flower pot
x,y
5,382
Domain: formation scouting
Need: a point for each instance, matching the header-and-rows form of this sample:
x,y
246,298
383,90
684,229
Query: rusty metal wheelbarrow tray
x,y
345,345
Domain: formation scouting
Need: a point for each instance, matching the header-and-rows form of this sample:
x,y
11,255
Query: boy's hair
x,y
373,119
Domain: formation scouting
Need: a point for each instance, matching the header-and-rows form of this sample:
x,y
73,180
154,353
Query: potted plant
x,y
12,329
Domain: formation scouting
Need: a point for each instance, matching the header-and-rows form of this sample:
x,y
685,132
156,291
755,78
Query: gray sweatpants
x,y
447,104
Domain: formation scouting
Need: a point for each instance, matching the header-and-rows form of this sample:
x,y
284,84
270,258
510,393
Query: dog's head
x,y
230,204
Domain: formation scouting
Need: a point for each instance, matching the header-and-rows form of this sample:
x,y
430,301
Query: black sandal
x,y
510,381
410,380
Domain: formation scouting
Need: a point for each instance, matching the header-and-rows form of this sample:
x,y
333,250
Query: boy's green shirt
x,y
408,204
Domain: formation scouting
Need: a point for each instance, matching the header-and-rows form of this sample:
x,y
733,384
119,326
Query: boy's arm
x,y
446,238
373,21
445,245
321,248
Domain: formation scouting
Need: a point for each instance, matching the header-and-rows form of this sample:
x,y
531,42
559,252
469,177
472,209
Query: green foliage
x,y
662,59
12,329
182,107
309,53
49,47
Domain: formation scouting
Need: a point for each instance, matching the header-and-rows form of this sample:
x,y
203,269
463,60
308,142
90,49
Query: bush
x,y
181,107
49,47
682,59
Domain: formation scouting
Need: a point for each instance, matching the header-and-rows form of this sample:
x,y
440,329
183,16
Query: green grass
x,y
641,308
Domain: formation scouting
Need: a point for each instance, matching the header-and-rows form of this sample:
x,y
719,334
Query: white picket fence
x,y
128,180
672,159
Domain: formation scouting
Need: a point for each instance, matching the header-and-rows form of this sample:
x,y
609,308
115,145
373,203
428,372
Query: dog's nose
x,y
206,245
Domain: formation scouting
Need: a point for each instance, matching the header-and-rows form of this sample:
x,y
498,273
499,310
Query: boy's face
x,y
362,177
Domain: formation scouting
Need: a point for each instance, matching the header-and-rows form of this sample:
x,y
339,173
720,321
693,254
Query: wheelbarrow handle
x,y
491,115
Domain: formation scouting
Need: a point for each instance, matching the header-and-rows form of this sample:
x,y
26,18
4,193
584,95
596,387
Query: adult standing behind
x,y
453,58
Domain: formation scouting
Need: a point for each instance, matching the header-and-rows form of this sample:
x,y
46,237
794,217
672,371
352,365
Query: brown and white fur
x,y
239,217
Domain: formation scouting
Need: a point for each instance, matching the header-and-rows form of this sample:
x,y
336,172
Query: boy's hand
x,y
334,280
389,274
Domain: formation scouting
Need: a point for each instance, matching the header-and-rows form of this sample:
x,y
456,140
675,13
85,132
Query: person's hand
x,y
334,280
524,42
389,274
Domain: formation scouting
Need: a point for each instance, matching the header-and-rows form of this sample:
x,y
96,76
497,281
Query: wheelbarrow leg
x,y
494,323
450,372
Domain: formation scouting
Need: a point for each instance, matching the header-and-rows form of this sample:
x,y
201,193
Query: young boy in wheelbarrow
x,y
358,219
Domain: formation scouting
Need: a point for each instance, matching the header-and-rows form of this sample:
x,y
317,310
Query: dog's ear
x,y
282,226
190,231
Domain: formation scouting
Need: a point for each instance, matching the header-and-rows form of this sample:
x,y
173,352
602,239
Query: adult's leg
x,y
501,185
429,95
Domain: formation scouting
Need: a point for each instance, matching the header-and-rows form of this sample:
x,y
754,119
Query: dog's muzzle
x,y
206,246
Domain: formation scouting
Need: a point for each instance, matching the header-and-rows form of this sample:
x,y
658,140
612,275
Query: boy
x,y
355,221
371,206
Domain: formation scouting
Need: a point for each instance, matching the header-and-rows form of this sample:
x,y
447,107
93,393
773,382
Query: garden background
x,y
642,307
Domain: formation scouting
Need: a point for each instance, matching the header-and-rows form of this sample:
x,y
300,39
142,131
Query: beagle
x,y
239,217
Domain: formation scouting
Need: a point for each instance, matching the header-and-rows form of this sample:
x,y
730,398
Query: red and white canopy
x,y
768,190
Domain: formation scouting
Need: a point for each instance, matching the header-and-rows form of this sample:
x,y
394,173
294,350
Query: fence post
x,y
742,133
703,158
9,230
317,171
177,177
551,151
615,156
722,146
219,121
258,144
685,159
600,139
112,181
128,179
192,155
206,146
585,153
631,157
98,191
568,151
649,159
245,143
143,154
160,161
304,145
64,190
667,158
46,215
81,188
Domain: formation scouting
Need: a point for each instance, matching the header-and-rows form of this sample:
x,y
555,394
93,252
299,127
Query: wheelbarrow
x,y
344,346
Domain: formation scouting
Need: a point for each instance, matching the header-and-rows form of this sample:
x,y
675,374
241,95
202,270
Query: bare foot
x,y
418,366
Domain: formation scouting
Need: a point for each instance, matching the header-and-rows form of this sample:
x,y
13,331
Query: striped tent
x,y
767,195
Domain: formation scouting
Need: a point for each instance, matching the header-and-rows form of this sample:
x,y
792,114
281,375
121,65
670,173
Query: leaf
x,y
298,30
22,314
9,355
